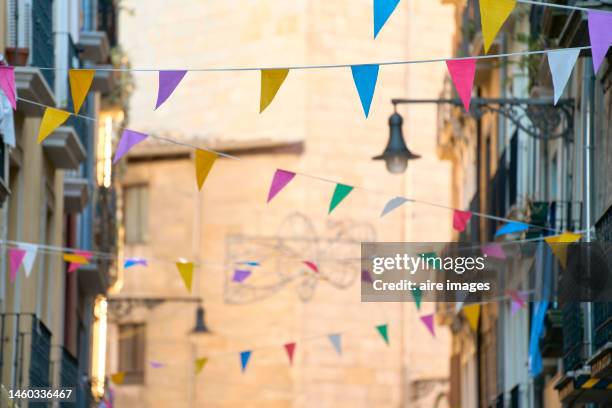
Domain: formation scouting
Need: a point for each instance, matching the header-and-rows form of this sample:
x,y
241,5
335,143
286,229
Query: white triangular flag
x,y
561,64
29,258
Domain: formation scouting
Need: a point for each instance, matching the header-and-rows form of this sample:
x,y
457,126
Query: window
x,y
132,352
136,214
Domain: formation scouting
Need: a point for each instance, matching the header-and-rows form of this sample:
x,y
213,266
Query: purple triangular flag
x,y
429,322
168,81
600,34
156,364
365,276
129,139
280,180
494,250
240,275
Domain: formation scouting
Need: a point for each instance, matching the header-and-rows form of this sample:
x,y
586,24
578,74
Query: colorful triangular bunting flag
x,y
80,82
7,85
186,271
600,35
340,193
133,262
493,14
365,77
336,341
204,161
200,363
129,139
312,266
494,251
52,119
290,348
460,219
279,181
168,81
382,11
561,63
472,314
393,204
240,275
428,321
417,294
118,378
16,256
383,331
511,228
517,301
365,276
558,245
156,364
244,359
462,73
30,256
271,81
76,259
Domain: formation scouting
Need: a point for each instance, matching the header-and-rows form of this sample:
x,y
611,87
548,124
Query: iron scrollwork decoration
x,y
539,118
120,307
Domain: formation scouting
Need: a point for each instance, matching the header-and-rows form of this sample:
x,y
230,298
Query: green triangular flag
x,y
417,294
382,329
340,193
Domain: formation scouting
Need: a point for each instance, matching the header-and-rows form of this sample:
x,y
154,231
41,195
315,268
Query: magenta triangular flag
x,y
129,139
16,256
290,348
279,181
460,219
462,73
168,81
7,85
494,250
600,33
429,323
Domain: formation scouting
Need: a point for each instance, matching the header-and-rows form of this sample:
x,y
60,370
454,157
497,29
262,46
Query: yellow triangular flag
x,y
493,14
80,82
472,314
74,258
186,272
271,81
200,363
52,119
118,377
203,162
558,245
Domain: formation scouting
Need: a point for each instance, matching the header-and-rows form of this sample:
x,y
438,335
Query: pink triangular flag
x,y
518,301
460,219
15,258
280,180
494,251
312,266
429,323
73,266
168,81
290,348
7,85
462,73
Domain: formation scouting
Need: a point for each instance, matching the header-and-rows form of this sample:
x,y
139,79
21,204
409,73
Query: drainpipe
x,y
587,114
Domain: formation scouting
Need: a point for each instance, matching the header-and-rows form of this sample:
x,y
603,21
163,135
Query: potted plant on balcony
x,y
17,56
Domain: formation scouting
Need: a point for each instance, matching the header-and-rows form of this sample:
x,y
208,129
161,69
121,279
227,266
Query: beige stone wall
x,y
321,109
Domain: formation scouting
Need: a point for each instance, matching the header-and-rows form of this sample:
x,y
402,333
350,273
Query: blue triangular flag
x,y
382,11
561,63
393,204
537,325
244,359
336,341
365,77
511,227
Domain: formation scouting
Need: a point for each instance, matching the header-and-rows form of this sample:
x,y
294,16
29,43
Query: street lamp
x,y
200,325
396,154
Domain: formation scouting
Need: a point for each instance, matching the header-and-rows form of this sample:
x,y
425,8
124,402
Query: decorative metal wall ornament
x,y
538,118
120,307
280,259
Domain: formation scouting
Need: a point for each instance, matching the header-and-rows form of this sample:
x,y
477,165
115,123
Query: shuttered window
x,y
132,352
136,214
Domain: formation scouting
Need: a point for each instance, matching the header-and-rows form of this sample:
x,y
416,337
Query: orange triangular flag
x,y
472,314
204,161
493,14
271,81
200,363
186,271
118,377
80,82
558,245
52,119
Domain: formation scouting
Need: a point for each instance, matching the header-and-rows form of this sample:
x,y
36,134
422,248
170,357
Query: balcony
x,y
76,192
64,149
32,85
94,46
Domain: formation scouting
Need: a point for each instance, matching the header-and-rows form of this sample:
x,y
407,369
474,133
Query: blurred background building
x,y
52,195
315,125
558,180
